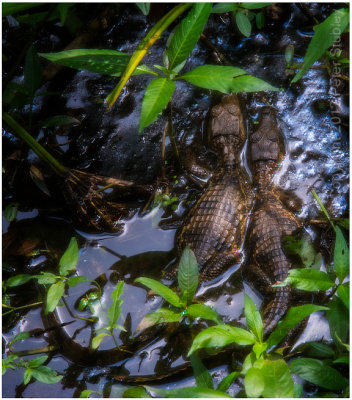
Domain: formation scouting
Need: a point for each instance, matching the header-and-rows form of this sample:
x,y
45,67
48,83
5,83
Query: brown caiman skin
x,y
270,220
214,227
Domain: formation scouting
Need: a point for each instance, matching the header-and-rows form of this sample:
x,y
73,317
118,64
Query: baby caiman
x,y
270,220
214,227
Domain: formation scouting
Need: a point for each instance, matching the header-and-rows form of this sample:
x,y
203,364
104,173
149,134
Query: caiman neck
x,y
229,160
263,175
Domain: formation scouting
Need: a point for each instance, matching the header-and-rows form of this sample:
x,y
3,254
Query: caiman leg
x,y
253,273
217,264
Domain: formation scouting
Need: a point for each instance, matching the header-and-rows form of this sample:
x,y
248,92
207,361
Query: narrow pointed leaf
x,y
203,311
201,374
32,71
157,94
308,279
253,318
144,7
161,290
18,280
187,275
54,295
115,310
343,292
243,24
227,381
69,259
46,375
341,256
136,392
160,316
189,392
248,83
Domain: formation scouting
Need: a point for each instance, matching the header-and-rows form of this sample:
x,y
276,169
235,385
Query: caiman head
x,y
266,147
227,133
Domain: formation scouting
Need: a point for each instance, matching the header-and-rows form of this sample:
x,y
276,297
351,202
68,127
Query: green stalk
x,y
144,46
34,145
324,210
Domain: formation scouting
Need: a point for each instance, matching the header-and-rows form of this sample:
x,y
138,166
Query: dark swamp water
x,y
107,143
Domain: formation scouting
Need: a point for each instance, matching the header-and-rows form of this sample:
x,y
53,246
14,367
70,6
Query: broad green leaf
x,y
53,296
115,310
69,259
319,373
160,316
144,7
341,256
35,362
254,382
46,375
260,20
221,336
188,392
252,6
301,246
203,311
187,275
10,212
243,24
294,316
308,279
101,61
214,77
201,374
278,381
27,376
151,37
187,34
253,318
318,350
135,392
14,7
157,94
98,339
337,316
161,290
32,71
75,280
227,381
60,120
248,83
86,393
325,34
343,292
47,278
220,8
18,280
259,349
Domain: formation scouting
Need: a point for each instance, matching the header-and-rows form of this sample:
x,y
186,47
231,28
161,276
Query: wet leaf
x,y
157,94
46,375
47,278
254,382
337,316
13,8
144,7
308,279
27,376
115,310
341,256
221,336
135,392
160,316
252,6
343,292
69,259
248,83
161,290
187,275
253,318
220,8
19,336
227,381
278,381
98,339
325,34
187,34
32,71
18,280
10,212
243,24
319,373
60,120
54,295
75,280
86,393
203,311
201,374
294,316
35,362
190,392
260,20
38,179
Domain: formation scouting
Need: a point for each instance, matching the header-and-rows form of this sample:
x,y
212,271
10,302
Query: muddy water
x,y
108,143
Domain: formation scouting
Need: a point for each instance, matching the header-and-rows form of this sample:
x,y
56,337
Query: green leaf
x,y
318,350
60,120
343,292
221,336
259,349
201,374
248,362
27,376
187,275
46,375
303,247
337,316
75,280
308,279
47,278
289,52
294,316
190,392
19,336
253,318
325,34
254,382
203,311
243,24
214,77
144,7
98,339
10,212
13,8
115,310
86,393
341,256
101,61
323,209
252,6
278,381
248,83
344,223
54,295
260,20
220,8
69,259
342,360
161,290
35,362
156,97
63,9
18,280
317,372
160,316
187,34
298,391
32,71
227,381
135,392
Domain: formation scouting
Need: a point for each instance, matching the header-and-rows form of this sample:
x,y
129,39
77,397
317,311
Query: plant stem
x,y
21,308
34,145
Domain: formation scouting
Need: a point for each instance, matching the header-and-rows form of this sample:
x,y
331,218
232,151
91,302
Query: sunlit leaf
x,y
46,375
27,376
18,280
220,8
98,339
75,280
201,374
278,381
254,382
161,290
160,316
308,279
115,310
135,392
203,311
35,362
188,392
69,259
227,381
253,318
341,256
319,373
157,94
54,295
260,20
325,34
248,83
243,24
187,275
63,10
